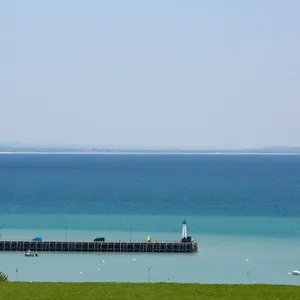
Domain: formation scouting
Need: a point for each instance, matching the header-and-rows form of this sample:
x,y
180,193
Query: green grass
x,y
143,291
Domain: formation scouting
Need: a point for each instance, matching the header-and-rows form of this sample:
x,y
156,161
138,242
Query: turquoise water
x,y
237,207
221,259
208,225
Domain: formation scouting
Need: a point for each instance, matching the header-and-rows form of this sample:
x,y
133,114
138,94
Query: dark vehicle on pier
x,y
99,239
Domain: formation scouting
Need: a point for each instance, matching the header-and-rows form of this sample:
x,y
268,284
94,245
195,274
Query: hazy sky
x,y
150,73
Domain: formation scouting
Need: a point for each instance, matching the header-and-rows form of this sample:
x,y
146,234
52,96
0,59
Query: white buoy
x,y
133,259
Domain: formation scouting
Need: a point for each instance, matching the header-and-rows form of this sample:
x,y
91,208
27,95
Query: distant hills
x,y
262,150
278,149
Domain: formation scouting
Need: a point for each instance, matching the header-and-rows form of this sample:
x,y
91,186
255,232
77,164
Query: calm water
x,y
238,208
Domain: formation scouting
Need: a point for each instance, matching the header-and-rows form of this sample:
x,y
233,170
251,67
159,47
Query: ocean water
x,y
243,210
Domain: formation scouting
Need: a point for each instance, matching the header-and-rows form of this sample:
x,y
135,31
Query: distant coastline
x,y
145,153
112,151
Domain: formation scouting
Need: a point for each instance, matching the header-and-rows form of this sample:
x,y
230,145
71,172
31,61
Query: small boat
x,y
295,272
29,253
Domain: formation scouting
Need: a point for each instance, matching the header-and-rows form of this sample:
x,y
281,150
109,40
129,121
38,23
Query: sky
x,y
151,74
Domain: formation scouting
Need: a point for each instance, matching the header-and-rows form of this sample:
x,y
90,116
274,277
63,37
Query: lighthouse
x,y
184,230
184,237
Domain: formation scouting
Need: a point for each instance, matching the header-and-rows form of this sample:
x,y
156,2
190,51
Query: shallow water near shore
x,y
221,259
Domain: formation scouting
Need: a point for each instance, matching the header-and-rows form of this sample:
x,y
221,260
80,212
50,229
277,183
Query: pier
x,y
185,245
91,246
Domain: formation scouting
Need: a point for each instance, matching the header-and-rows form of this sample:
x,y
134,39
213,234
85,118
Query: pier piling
x,y
91,246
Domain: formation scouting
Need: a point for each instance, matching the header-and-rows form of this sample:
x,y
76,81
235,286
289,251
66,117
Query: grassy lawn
x,y
140,291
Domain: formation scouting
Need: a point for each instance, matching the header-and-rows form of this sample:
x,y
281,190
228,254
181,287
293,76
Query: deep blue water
x,y
195,185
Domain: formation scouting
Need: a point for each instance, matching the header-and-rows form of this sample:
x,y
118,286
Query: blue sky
x,y
150,73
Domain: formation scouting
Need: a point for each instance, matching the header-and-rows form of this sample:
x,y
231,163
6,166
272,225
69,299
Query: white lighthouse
x,y
184,230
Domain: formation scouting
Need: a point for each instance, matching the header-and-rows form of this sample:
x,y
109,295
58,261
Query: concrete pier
x,y
91,246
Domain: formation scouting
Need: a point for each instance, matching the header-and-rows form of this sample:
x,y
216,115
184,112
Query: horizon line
x,y
141,148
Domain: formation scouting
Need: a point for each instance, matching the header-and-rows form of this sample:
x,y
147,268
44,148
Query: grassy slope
x,y
132,291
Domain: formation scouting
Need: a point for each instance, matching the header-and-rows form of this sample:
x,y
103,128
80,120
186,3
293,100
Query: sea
x,y
243,210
